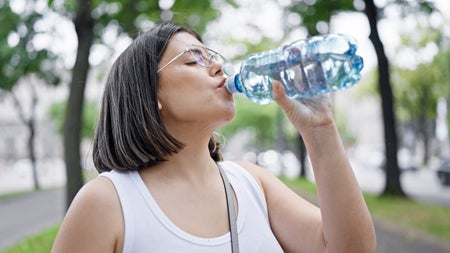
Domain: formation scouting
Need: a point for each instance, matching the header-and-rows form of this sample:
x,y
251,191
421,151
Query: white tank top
x,y
148,229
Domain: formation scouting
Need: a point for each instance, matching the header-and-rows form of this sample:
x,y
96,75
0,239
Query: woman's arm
x,y
343,223
93,222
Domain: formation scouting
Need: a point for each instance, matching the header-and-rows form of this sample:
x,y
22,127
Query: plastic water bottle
x,y
306,68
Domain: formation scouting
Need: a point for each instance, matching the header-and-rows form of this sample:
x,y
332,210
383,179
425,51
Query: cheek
x,y
182,95
176,105
168,91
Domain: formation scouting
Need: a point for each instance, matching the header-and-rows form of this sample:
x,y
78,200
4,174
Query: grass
x,y
39,243
429,219
14,194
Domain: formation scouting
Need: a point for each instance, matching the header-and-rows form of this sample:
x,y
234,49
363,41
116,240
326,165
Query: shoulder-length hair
x,y
130,133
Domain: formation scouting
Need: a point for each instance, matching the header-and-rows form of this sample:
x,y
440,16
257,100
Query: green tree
x,y
417,92
260,120
89,117
441,63
416,100
23,61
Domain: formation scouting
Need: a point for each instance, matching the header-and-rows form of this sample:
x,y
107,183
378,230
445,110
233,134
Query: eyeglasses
x,y
204,56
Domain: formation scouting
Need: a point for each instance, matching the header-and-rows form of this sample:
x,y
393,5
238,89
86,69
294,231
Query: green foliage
x,y
441,63
194,13
416,92
265,121
423,36
89,117
260,119
317,11
132,16
19,56
413,7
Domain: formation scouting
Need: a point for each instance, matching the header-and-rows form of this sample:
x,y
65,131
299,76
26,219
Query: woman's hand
x,y
304,114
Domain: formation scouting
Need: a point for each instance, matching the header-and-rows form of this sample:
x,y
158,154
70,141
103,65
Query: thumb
x,y
280,96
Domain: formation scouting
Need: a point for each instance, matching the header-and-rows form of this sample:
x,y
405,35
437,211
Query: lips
x,y
222,84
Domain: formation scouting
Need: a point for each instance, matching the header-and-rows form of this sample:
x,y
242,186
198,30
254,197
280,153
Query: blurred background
x,y
55,55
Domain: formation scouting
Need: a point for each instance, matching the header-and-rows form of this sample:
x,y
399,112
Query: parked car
x,y
443,173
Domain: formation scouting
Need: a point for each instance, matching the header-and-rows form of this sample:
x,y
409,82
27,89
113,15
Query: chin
x,y
231,112
227,117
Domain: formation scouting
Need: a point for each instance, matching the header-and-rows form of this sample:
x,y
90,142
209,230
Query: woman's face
x,y
190,94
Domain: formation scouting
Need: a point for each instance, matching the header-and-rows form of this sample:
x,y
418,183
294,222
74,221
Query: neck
x,y
192,163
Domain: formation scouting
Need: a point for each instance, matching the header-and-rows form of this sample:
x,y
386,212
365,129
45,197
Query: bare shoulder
x,y
99,192
94,220
95,197
261,175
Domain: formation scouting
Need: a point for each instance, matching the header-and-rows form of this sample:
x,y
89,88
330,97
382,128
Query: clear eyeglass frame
x,y
204,56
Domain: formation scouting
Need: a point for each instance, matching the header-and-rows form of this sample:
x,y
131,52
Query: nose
x,y
216,69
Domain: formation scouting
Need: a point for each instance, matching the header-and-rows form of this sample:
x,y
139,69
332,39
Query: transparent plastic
x,y
306,68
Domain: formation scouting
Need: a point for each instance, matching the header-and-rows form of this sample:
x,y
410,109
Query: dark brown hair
x,y
130,134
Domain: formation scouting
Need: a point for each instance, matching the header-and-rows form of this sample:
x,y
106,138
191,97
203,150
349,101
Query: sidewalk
x,y
391,238
29,214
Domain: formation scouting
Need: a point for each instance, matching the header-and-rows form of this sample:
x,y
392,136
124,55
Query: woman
x,y
160,189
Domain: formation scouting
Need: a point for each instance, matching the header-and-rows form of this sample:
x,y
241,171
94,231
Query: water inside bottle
x,y
258,87
328,73
305,69
258,73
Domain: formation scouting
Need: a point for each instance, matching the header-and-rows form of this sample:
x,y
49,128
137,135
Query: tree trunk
x,y
423,124
393,185
84,26
31,123
302,156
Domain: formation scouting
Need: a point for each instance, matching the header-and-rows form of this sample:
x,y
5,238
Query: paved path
x,y
30,214
394,239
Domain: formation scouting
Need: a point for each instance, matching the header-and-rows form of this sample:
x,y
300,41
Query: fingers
x,y
280,96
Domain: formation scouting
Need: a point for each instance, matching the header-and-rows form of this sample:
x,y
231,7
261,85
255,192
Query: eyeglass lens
x,y
205,57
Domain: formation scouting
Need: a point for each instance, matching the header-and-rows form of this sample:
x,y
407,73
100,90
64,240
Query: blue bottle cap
x,y
233,85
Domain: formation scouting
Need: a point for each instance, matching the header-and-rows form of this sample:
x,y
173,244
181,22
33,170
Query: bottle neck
x,y
233,84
